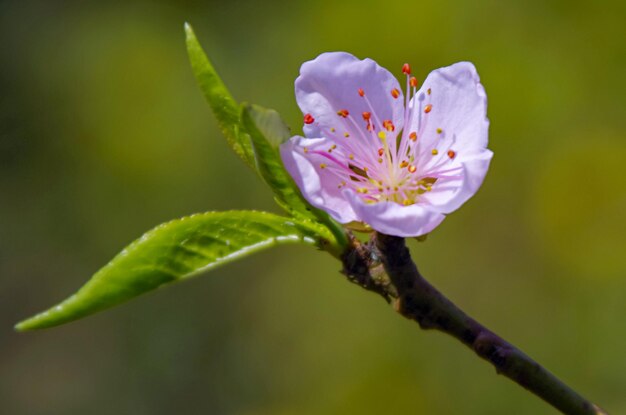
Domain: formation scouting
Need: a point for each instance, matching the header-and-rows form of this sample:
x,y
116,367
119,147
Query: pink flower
x,y
373,155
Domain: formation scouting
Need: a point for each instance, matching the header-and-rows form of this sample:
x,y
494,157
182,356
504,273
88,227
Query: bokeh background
x,y
104,134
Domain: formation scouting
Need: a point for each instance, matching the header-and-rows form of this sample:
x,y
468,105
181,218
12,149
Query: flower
x,y
398,163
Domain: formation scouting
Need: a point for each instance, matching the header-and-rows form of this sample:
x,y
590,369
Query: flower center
x,y
387,162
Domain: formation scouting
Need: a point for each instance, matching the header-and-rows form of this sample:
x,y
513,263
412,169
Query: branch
x,y
384,266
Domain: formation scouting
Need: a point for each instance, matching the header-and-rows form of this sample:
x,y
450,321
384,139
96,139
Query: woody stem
x,y
384,266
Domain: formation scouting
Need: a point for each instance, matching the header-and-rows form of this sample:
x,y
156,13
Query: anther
x,y
439,131
308,119
413,136
351,156
406,69
407,202
404,164
413,82
343,113
395,93
428,108
388,125
381,151
346,135
434,152
428,91
361,92
366,115
412,168
332,129
451,154
322,165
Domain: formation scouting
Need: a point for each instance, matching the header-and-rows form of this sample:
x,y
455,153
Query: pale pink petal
x,y
331,83
449,196
457,106
393,219
451,115
318,186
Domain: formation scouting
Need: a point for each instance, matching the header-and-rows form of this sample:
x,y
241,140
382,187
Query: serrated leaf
x,y
220,100
175,251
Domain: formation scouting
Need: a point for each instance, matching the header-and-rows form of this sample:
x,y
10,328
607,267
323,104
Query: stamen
x,y
308,119
413,82
388,125
428,108
343,113
381,135
451,154
395,93
361,92
413,136
406,69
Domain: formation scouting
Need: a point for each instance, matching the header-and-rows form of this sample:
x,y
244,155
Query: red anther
x,y
451,154
395,93
428,108
406,69
388,125
361,92
308,119
366,115
381,152
343,113
413,136
413,82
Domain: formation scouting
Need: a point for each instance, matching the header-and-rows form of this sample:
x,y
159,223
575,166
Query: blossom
x,y
396,162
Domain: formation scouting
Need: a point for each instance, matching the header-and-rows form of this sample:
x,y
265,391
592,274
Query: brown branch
x,y
384,266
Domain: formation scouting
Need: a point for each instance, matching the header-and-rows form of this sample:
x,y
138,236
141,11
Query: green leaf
x,y
220,100
267,132
175,251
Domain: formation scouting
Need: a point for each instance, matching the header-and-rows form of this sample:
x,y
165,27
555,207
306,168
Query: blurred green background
x,y
104,134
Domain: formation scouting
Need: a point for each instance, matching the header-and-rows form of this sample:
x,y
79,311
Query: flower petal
x,y
331,83
449,196
393,219
452,103
318,186
451,115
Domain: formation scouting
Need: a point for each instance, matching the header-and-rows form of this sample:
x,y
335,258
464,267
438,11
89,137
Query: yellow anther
x,y
322,165
346,135
404,164
351,156
407,202
439,131
434,152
